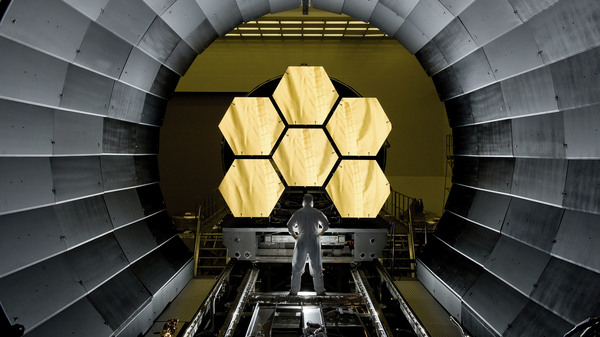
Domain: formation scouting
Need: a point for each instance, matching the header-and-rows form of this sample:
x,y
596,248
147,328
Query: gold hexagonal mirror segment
x,y
251,188
251,126
305,95
359,126
305,157
358,188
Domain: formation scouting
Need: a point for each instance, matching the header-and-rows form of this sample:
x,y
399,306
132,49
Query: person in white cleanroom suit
x,y
305,225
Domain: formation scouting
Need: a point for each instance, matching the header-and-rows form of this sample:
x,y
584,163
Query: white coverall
x,y
305,222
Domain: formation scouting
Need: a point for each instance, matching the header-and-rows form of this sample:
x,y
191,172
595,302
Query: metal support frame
x,y
234,317
381,326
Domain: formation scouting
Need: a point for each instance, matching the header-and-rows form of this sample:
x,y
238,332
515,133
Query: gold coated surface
x,y
251,126
251,187
305,157
359,126
358,188
305,95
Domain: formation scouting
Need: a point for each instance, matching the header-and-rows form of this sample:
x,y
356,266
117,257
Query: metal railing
x,y
209,204
401,207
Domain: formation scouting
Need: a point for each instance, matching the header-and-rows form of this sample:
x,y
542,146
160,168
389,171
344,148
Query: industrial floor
x,y
431,314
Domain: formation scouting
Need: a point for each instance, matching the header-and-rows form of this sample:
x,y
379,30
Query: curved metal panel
x,y
151,198
530,93
140,70
202,36
402,8
123,207
517,264
159,6
359,9
75,133
82,220
526,9
97,261
91,9
489,209
569,290
116,305
75,177
159,41
86,91
118,172
474,323
53,26
465,170
32,295
165,82
567,28
474,71
176,253
252,9
446,83
154,110
582,186
153,270
283,5
386,19
411,37
456,6
454,41
126,103
576,79
532,223
430,17
455,270
431,59
495,174
161,227
472,240
488,19
465,140
495,138
459,111
488,103
223,15
333,6
135,240
183,17
540,179
20,231
181,58
25,129
80,319
118,136
576,239
582,135
146,139
513,53
494,300
103,51
536,320
146,169
30,75
25,183
129,19
460,200
539,136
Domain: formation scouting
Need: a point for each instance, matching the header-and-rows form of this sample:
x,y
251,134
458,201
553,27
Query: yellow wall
x,y
375,68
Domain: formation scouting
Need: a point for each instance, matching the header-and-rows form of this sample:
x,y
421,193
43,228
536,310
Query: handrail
x,y
209,204
402,207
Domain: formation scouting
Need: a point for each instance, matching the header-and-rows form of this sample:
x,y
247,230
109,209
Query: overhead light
x,y
334,28
312,28
356,28
333,35
269,28
314,22
291,28
232,34
271,35
246,34
291,22
336,22
292,34
266,22
313,35
357,22
248,28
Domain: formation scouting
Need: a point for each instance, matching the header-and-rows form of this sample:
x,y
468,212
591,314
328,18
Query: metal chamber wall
x,y
85,243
